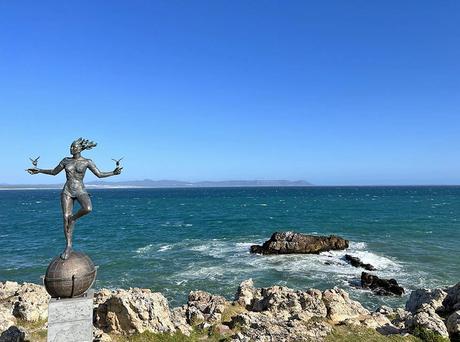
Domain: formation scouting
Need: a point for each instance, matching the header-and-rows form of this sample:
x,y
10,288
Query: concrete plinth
x,y
71,319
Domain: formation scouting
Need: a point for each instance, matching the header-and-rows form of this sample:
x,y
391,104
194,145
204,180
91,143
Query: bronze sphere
x,y
70,278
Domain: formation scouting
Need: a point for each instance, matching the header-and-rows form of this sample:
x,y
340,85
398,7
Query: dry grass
x,y
356,334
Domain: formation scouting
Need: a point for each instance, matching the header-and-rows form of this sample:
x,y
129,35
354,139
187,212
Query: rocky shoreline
x,y
275,313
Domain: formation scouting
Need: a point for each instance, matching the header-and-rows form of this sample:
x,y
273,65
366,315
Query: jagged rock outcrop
x,y
8,289
356,262
340,307
276,310
435,309
246,293
203,306
27,301
374,320
290,242
31,302
267,327
452,301
100,336
385,310
427,318
132,311
179,319
275,313
433,298
453,325
282,301
6,318
382,287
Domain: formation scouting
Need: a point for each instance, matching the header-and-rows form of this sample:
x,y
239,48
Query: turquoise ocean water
x,y
177,240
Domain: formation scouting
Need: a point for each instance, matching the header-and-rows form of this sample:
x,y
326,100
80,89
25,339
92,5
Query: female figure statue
x,y
74,189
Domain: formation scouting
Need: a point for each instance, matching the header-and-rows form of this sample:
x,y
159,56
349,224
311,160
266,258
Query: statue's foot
x,y
65,255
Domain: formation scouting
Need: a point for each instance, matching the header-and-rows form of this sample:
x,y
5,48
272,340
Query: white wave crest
x,y
164,248
144,249
358,245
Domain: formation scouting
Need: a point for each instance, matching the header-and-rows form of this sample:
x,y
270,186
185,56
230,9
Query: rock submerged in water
x,y
290,243
356,262
382,287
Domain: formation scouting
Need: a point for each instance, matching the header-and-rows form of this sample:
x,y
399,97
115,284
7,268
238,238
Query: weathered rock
x,y
340,307
31,302
380,286
278,313
100,336
385,310
101,296
13,334
433,298
194,316
452,300
318,330
356,262
375,321
275,313
453,326
239,337
133,311
6,318
401,318
290,242
26,301
286,302
8,289
265,327
246,293
179,319
210,306
427,318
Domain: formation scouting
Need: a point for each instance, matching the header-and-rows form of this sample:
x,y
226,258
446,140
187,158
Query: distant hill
x,y
149,183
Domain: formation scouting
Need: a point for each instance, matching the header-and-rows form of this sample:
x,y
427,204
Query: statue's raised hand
x,y
117,170
33,171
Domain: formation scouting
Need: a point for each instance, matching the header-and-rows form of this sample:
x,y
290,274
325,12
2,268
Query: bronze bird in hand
x,y
117,162
35,161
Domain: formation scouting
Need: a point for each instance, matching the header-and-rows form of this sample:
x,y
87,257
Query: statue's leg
x,y
86,206
67,207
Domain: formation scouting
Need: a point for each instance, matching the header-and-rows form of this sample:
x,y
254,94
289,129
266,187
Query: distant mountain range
x,y
149,183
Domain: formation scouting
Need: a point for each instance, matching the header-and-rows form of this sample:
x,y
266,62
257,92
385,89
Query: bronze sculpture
x,y
75,168
72,273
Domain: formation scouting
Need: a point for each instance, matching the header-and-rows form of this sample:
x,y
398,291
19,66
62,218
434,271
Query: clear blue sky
x,y
333,92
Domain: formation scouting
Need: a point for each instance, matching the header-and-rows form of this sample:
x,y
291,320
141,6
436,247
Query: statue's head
x,y
81,144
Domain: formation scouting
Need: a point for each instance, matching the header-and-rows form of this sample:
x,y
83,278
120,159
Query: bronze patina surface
x,y
71,277
72,273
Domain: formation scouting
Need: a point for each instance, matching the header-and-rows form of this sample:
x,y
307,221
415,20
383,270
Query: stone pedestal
x,y
71,319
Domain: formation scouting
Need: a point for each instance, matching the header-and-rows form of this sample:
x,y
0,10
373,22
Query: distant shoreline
x,y
166,183
115,187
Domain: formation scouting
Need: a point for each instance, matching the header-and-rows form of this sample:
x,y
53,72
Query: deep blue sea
x,y
177,240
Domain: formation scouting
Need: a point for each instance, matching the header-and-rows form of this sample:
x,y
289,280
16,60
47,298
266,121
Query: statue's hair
x,y
85,144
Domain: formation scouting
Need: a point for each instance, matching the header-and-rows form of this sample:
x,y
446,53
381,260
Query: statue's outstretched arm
x,y
100,174
52,172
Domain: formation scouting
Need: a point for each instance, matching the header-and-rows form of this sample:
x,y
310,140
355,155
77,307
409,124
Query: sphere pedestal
x,y
71,277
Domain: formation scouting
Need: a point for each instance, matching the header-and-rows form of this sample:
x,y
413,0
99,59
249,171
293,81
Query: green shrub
x,y
428,336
